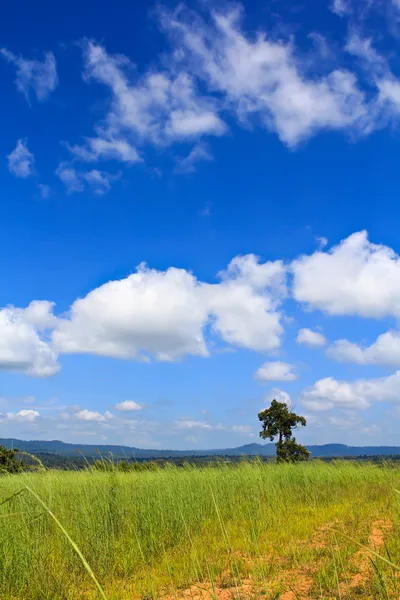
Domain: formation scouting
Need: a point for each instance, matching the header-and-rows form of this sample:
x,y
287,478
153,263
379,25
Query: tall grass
x,y
151,534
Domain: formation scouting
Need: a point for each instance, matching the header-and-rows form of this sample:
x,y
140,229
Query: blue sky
x,y
200,213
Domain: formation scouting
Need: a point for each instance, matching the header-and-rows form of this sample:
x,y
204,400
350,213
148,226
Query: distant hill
x,y
92,450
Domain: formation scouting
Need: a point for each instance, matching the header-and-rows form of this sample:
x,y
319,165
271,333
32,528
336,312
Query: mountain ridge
x,y
91,450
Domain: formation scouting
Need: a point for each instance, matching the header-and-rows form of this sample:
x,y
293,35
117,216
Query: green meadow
x,y
252,530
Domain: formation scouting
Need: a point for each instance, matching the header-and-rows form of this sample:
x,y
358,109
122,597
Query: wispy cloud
x,y
21,160
33,74
199,153
262,78
74,179
44,190
70,178
341,7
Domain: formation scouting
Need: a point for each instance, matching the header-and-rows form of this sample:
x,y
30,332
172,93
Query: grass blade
x,y
71,541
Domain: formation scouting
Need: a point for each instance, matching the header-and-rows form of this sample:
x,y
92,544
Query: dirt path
x,y
361,559
297,584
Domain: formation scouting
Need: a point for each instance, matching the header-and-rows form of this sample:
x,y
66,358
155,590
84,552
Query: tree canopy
x,y
279,422
9,463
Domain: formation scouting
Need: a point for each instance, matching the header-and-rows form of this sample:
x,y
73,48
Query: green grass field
x,y
245,531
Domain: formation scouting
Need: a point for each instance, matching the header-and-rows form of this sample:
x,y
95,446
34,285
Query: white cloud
x,y
41,76
74,180
150,311
150,314
198,153
279,395
128,405
72,423
215,68
103,147
276,371
386,104
25,416
310,338
38,313
28,414
340,7
244,303
329,393
164,314
355,277
384,351
90,415
70,178
22,348
262,77
99,181
157,107
21,160
363,49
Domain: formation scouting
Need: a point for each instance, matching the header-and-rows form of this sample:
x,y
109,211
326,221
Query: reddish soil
x,y
296,584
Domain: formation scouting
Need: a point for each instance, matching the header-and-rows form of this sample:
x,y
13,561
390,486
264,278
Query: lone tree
x,y
279,421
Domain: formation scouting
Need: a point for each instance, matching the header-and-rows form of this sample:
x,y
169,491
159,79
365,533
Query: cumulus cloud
x,y
356,277
276,371
164,314
384,351
167,315
90,415
28,415
150,314
23,416
310,338
22,346
128,405
329,393
40,76
149,311
21,160
38,313
279,395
